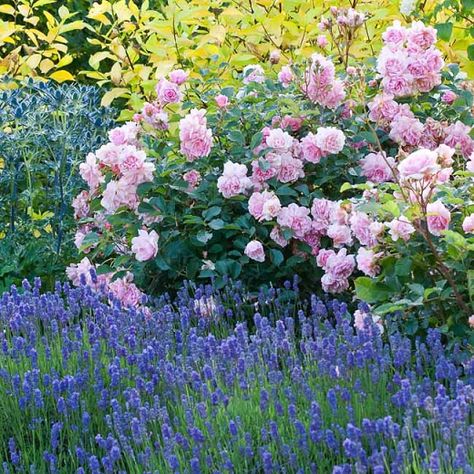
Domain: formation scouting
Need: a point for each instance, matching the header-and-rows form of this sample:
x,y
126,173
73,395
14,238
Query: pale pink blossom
x,y
279,140
377,167
367,261
264,206
468,224
124,290
290,169
125,135
168,92
253,73
321,211
471,321
419,165
285,76
400,228
322,41
134,168
340,234
81,205
361,227
383,108
154,115
291,123
470,163
119,193
420,37
254,250
145,245
195,137
445,155
110,155
406,130
448,97
296,218
338,268
178,76
330,140
277,236
395,35
323,256
310,150
360,318
457,136
75,270
90,172
193,178
234,180
275,56
222,101
438,217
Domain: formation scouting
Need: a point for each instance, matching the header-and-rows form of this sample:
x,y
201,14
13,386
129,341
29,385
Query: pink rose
x,y
295,218
330,140
277,236
119,193
468,224
134,168
110,155
234,180
253,73
419,164
275,56
321,211
323,256
311,152
195,137
340,235
394,36
264,206
125,291
471,321
193,178
420,37
154,115
400,228
81,205
377,167
222,101
361,227
254,250
383,108
367,261
322,41
145,245
285,76
457,136
279,140
168,92
75,270
438,217
178,76
290,169
125,135
448,97
90,172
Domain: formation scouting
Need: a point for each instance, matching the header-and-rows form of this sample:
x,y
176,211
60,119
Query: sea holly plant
x,y
362,175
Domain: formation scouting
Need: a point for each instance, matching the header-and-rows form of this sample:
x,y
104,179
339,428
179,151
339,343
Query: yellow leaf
x,y
96,58
7,28
33,61
113,94
61,76
7,9
49,18
63,12
46,65
65,60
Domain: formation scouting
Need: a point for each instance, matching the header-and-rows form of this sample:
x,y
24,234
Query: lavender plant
x,y
45,130
189,387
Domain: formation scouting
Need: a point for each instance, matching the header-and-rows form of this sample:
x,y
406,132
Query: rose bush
x,y
362,175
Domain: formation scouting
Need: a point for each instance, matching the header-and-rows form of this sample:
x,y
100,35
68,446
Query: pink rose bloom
x,y
264,206
90,172
377,167
360,317
419,165
420,37
134,168
168,92
322,41
340,234
398,85
330,140
310,151
119,193
340,265
193,178
334,96
295,218
394,36
275,56
145,245
438,217
292,123
367,261
234,180
259,174
253,73
81,205
125,135
361,227
448,97
178,76
323,256
471,321
331,284
78,239
392,63
468,224
285,76
154,115
383,108
277,236
195,138
279,140
400,228
291,169
222,101
445,155
406,130
426,83
125,291
75,270
254,250
321,211
457,136
110,155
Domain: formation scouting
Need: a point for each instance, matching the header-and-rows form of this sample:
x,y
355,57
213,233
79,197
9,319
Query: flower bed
x,y
222,380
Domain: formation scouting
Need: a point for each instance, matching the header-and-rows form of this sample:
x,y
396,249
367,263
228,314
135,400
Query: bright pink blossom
x,y
234,180
168,92
145,245
377,167
438,217
195,137
367,261
310,150
400,228
222,101
330,140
